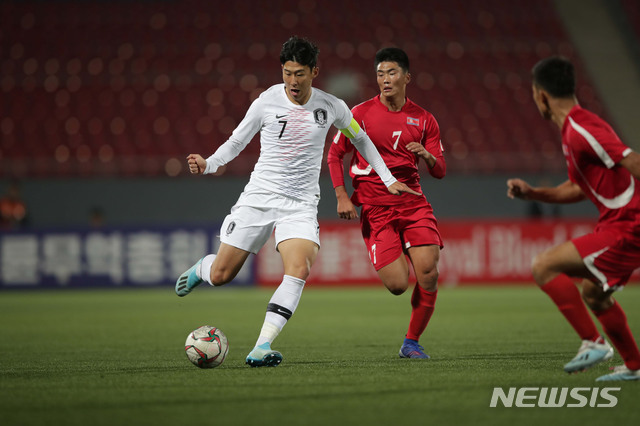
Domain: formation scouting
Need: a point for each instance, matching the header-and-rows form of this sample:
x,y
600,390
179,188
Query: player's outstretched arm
x,y
346,209
566,192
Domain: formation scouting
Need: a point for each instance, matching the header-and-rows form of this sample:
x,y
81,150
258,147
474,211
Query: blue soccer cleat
x,y
188,280
621,372
263,356
411,349
589,354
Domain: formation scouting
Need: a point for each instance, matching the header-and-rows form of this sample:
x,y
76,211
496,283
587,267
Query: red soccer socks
x,y
423,303
566,296
614,323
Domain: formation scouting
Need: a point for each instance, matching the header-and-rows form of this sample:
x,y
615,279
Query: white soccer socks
x,y
204,271
282,305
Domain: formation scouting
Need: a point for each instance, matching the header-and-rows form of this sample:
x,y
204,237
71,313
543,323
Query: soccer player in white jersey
x,y
283,192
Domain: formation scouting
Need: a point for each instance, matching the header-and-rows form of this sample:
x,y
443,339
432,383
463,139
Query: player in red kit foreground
x,y
395,226
604,170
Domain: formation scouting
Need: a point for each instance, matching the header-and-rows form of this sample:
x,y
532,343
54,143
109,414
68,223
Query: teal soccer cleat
x,y
589,354
411,349
188,280
621,372
263,356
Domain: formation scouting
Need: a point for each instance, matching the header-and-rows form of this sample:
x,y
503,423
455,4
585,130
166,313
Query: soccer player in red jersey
x,y
604,170
395,226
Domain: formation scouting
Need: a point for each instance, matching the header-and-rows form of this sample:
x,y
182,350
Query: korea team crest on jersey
x,y
230,228
320,115
413,121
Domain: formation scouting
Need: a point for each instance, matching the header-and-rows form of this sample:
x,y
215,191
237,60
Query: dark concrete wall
x,y
201,199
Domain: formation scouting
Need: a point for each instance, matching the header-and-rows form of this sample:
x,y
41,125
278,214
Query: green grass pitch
x,y
116,357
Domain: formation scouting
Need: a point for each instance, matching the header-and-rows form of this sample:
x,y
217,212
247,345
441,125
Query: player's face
x,y
392,80
541,102
297,81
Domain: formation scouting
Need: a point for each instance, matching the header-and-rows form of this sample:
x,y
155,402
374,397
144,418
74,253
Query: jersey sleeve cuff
x,y
212,165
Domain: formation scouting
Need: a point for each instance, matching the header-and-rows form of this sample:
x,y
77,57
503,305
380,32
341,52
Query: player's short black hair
x,y
556,75
300,50
393,54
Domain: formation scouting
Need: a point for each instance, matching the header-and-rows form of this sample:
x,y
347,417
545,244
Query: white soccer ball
x,y
206,347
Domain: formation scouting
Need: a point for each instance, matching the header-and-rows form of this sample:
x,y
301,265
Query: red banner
x,y
500,251
480,252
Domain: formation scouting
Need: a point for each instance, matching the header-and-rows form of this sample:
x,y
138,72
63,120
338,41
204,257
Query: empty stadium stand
x,y
129,88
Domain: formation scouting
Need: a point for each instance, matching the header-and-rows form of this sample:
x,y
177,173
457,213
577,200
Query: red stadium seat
x,y
132,79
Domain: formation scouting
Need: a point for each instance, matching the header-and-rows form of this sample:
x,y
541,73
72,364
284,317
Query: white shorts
x,y
258,212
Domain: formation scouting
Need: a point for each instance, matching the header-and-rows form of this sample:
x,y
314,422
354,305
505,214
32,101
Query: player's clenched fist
x,y
196,163
517,188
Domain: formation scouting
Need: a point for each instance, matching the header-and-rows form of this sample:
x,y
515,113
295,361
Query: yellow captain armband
x,y
352,130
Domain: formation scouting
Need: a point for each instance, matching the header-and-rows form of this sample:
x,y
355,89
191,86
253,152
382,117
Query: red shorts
x,y
388,231
611,254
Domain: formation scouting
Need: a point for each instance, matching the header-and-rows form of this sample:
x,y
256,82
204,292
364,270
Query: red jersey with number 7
x,y
390,132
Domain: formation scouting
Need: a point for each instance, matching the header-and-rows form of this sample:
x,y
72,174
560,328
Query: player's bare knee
x,y
396,291
430,285
428,279
540,269
301,271
397,287
536,266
